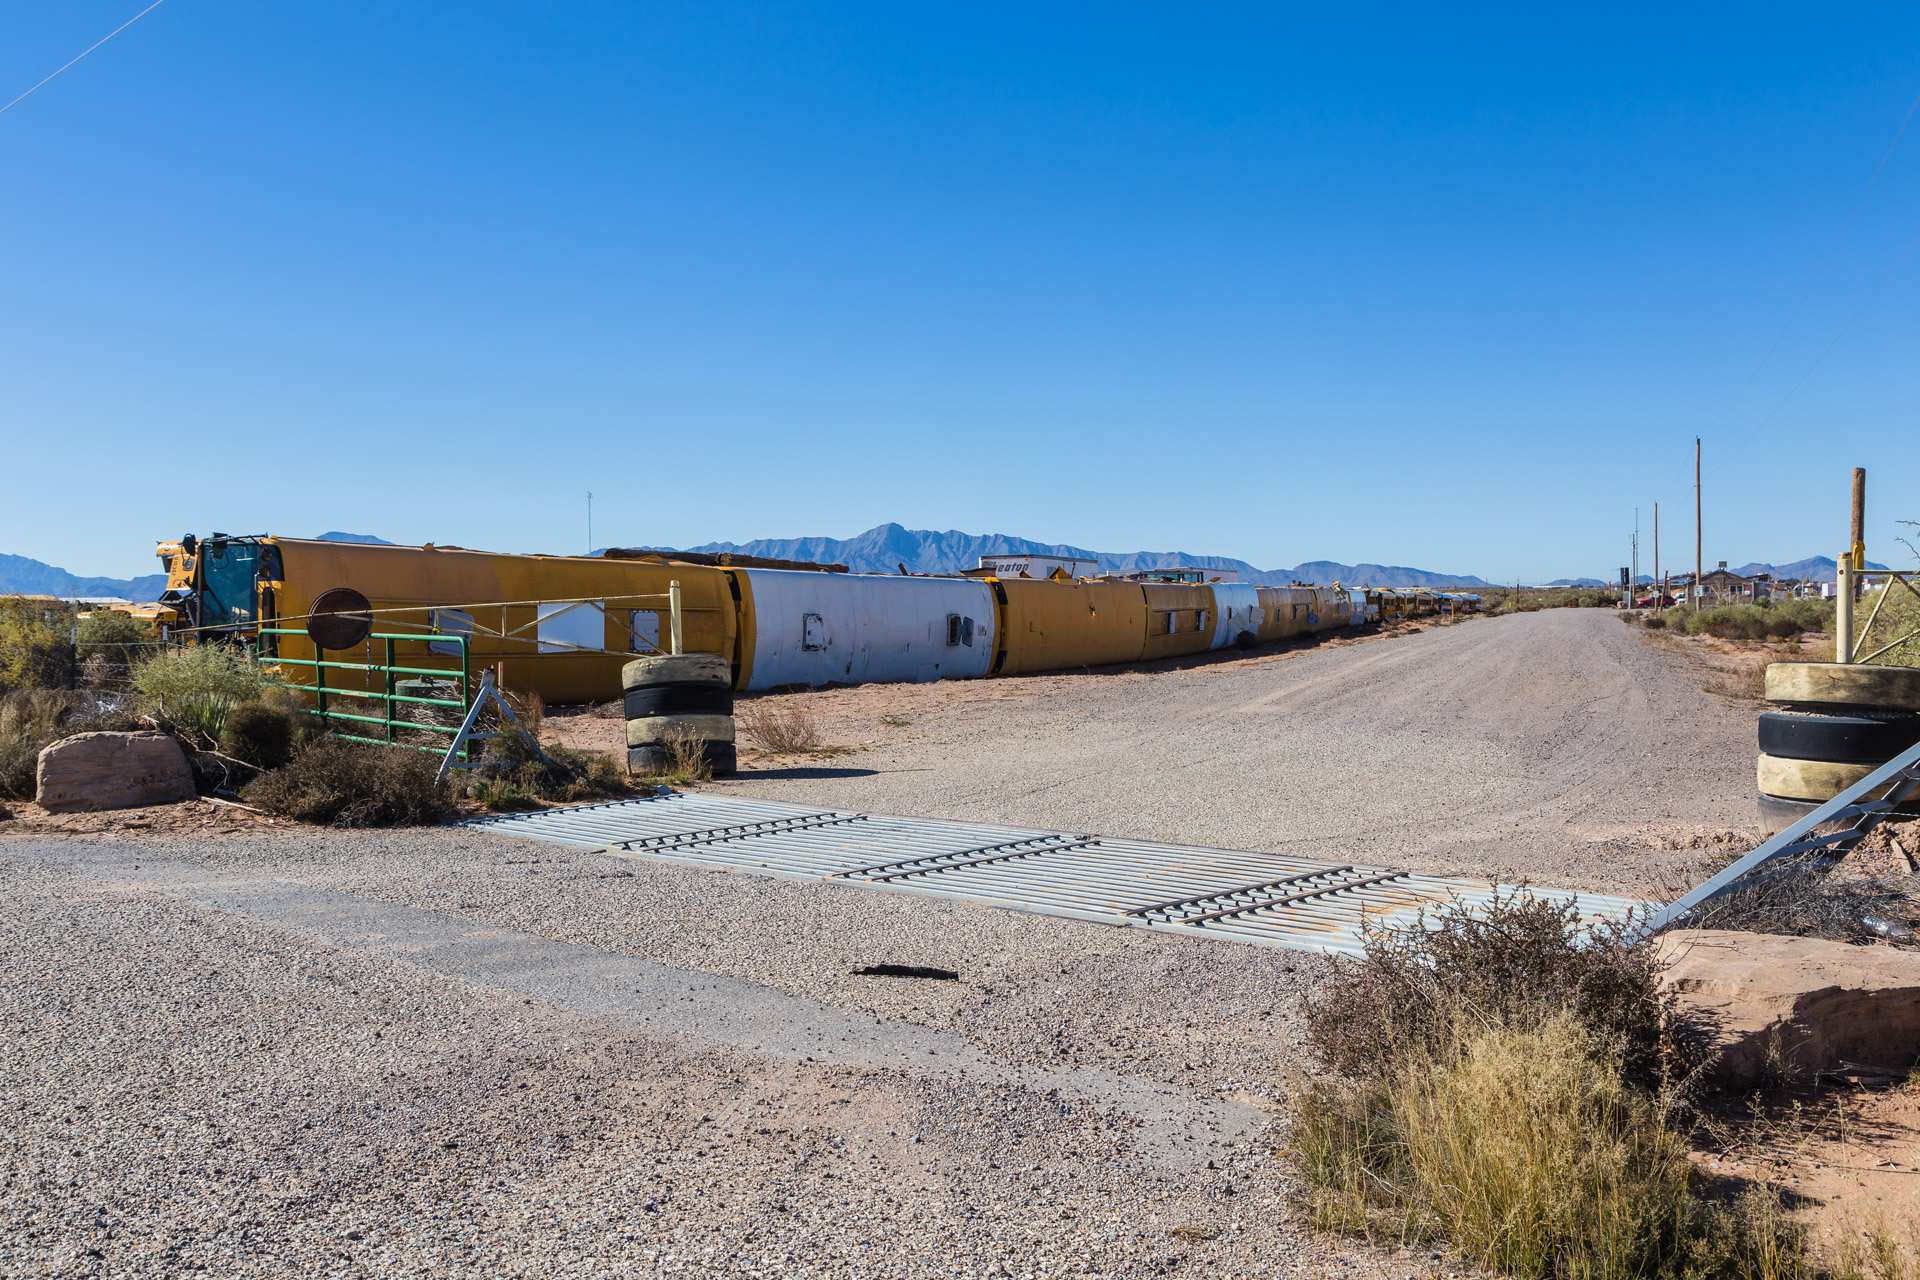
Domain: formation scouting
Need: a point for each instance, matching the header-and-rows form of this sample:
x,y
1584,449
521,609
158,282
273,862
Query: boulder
x,y
1785,1008
111,771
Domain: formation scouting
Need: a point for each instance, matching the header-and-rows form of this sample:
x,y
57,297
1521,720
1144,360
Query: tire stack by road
x,y
1835,724
685,698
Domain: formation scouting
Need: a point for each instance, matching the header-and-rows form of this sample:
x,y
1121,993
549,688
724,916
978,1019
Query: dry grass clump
x,y
1811,896
1879,1249
512,775
1505,1091
334,782
687,756
1519,962
788,729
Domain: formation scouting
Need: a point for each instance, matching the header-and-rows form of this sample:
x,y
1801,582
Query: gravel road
x,y
452,1053
248,1051
1557,746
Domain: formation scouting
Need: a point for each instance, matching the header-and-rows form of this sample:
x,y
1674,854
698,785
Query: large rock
x,y
1789,1007
111,771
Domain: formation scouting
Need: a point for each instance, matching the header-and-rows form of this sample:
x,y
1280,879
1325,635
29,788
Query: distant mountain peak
x,y
336,536
884,548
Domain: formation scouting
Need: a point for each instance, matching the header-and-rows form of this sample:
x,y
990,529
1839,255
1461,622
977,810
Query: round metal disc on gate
x,y
340,619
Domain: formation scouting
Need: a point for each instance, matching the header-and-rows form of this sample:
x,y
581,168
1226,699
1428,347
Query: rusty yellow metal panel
x,y
1180,619
523,598
744,615
1288,611
1046,625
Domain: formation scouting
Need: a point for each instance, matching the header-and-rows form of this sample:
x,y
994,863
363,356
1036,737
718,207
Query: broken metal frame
x,y
1852,649
467,734
1900,779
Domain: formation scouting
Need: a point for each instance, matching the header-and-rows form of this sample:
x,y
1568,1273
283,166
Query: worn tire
x,y
721,758
680,700
651,730
1777,813
1844,684
678,668
1856,737
1817,780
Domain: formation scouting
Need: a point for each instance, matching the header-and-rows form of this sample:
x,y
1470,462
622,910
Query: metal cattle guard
x,y
1270,899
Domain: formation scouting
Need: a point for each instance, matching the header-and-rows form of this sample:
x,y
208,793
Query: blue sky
x,y
1341,282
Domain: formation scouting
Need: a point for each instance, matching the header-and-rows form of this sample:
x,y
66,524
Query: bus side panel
x,y
854,628
481,585
1053,626
1180,619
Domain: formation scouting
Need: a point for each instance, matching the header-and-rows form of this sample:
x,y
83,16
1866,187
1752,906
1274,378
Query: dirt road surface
x,y
248,1051
1556,746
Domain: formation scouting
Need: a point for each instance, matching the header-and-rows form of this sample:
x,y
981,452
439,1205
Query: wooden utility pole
x,y
1657,591
1695,593
1859,546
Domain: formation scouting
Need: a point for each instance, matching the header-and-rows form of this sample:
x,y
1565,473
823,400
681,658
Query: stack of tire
x,y
678,705
1837,723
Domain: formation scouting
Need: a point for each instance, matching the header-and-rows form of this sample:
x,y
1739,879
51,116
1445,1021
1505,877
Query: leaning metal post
x,y
1901,777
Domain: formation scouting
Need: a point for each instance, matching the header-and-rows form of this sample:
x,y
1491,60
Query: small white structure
x,y
1036,566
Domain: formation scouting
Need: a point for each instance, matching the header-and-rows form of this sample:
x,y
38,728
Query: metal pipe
x,y
1843,610
673,599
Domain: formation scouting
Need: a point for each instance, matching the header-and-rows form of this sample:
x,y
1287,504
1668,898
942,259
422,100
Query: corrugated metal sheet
x,y
1266,898
852,628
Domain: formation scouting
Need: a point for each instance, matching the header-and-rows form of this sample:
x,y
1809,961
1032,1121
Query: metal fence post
x,y
673,602
1843,611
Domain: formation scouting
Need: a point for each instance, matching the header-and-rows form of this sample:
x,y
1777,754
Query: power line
x,y
84,52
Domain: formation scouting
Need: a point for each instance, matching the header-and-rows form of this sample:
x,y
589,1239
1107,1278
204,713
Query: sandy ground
x,y
1559,747
237,1049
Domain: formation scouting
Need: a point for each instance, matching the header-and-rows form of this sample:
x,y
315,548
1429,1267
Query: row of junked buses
x,y
564,626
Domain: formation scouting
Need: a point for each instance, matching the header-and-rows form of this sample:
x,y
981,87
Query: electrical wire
x,y
84,52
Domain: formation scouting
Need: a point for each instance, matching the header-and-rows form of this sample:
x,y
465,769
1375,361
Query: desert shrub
x,y
503,795
116,641
1529,1153
1815,897
1519,961
335,782
194,687
1898,616
687,756
511,772
1504,1110
260,734
36,645
786,729
1654,622
32,718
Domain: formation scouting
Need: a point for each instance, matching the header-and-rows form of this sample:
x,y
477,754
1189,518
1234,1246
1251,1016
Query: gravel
x,y
1556,746
247,1051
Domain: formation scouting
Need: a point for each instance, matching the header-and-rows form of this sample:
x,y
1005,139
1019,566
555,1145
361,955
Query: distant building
x,y
1184,573
1722,586
1035,566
